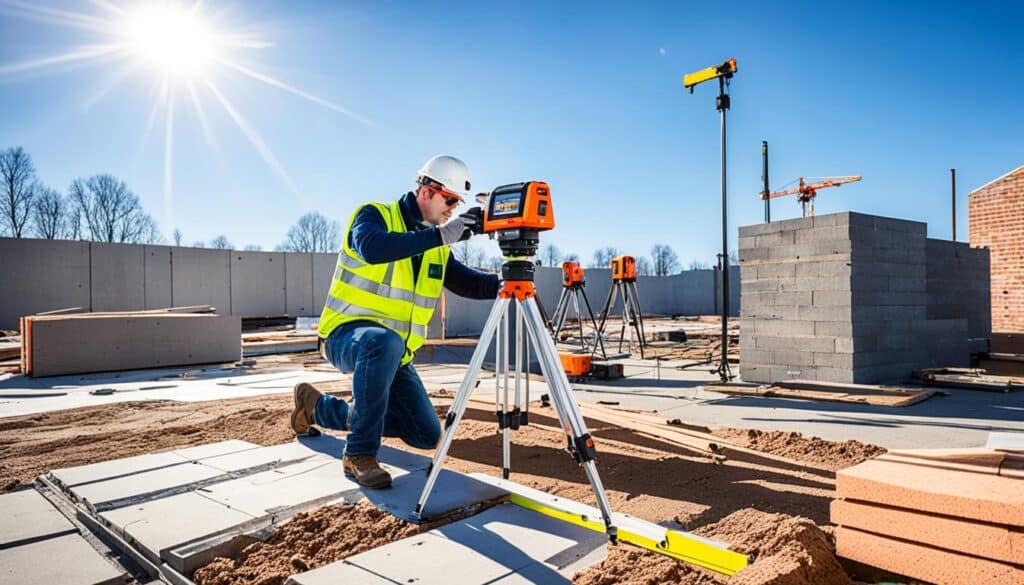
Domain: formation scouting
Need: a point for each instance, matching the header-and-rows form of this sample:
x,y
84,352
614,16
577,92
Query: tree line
x,y
102,208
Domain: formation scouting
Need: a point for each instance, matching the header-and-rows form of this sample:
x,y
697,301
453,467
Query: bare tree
x,y
698,265
199,244
111,212
477,257
19,188
643,266
313,233
221,243
603,257
571,257
550,255
177,237
50,216
734,259
665,260
461,251
253,248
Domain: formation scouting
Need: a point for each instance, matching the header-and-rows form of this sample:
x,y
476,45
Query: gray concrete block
x,y
117,277
109,343
258,284
65,559
888,313
82,474
823,234
201,277
816,284
817,313
298,285
29,516
889,298
323,271
310,482
830,298
157,268
833,328
769,313
160,525
113,492
785,343
838,361
753,254
285,453
794,358
776,270
42,275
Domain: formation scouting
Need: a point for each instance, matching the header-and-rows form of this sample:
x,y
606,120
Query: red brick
x,y
996,217
998,543
962,494
923,562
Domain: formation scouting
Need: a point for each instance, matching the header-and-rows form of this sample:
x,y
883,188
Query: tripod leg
x,y
607,307
503,417
558,317
597,332
458,408
580,441
625,317
639,317
579,316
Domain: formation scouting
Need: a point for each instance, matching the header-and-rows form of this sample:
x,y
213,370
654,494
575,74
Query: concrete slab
x,y
300,485
83,474
284,453
28,516
66,560
1004,441
209,450
452,491
339,572
118,281
159,525
121,491
492,545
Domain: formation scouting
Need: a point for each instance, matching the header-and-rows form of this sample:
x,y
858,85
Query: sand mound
x,y
307,541
789,551
834,455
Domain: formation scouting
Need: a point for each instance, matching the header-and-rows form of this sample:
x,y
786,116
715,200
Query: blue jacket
x,y
370,238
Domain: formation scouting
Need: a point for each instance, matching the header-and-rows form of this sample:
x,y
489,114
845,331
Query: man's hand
x,y
459,228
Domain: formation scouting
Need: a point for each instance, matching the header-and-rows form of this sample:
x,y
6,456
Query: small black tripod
x,y
572,292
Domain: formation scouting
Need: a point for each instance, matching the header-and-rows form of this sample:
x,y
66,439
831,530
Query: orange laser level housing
x,y
572,273
520,205
623,268
575,364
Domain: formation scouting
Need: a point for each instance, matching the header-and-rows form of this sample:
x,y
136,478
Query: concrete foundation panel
x,y
258,284
29,516
298,278
42,275
323,271
118,280
65,559
201,277
157,267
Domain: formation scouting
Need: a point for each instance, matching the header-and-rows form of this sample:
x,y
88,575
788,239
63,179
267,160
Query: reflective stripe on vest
x,y
382,289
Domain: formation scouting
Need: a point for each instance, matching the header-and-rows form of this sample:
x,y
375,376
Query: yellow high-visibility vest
x,y
386,293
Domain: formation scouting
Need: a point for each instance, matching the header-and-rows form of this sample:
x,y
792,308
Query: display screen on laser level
x,y
506,204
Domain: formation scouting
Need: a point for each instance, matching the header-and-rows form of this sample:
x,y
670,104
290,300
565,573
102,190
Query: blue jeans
x,y
388,399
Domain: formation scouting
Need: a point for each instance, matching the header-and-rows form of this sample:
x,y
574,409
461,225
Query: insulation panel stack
x,y
940,515
61,344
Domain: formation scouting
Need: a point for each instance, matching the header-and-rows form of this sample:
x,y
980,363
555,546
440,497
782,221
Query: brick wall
x,y
996,215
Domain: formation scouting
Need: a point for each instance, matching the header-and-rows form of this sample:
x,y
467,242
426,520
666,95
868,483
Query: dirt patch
x,y
307,541
34,444
833,455
789,551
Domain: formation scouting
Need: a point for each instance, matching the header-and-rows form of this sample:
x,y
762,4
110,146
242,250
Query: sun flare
x,y
171,37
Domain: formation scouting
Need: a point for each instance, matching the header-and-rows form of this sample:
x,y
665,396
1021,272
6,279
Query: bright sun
x,y
171,37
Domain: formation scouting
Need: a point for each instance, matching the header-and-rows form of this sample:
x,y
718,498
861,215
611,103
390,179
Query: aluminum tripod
x,y
573,293
528,318
631,313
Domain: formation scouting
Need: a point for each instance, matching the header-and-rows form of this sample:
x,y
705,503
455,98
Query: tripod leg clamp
x,y
583,448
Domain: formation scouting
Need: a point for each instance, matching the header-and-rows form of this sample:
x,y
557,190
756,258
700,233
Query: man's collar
x,y
411,212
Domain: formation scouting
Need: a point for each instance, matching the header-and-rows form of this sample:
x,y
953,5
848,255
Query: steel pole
x,y
723,366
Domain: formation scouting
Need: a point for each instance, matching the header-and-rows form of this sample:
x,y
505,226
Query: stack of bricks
x,y
939,516
840,298
996,215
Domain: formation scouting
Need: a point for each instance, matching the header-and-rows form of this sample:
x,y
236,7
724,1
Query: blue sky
x,y
585,95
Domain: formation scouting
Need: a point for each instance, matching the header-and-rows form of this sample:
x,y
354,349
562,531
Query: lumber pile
x,y
938,515
77,343
870,394
967,379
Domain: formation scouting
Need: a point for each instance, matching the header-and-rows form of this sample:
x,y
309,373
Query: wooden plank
x,y
873,397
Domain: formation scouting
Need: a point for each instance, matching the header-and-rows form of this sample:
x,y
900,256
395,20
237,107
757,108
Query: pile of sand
x,y
789,550
833,455
307,541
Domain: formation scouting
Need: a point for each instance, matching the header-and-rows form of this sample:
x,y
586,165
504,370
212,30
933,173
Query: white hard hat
x,y
450,172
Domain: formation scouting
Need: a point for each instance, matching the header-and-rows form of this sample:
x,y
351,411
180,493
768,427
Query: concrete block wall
x,y
959,284
843,298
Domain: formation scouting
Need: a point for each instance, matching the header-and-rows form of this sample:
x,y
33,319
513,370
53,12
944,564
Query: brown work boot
x,y
304,415
366,471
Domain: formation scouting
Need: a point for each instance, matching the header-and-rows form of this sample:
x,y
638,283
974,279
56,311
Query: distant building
x,y
996,214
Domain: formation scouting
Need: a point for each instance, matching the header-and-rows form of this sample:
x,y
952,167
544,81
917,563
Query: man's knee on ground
x,y
427,439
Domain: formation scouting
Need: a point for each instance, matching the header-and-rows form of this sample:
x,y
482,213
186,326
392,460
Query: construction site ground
x,y
769,495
